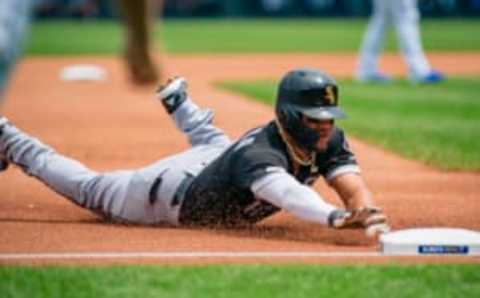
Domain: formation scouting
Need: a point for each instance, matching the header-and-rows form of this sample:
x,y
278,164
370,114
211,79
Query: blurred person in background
x,y
14,24
138,17
15,19
404,15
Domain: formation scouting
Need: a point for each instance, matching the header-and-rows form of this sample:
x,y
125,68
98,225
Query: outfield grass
x,y
243,281
436,124
241,36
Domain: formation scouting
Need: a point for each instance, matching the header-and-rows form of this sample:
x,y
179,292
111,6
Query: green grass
x,y
242,36
436,124
75,38
243,281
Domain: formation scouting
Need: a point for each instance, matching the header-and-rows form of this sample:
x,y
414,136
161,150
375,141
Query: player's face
x,y
323,127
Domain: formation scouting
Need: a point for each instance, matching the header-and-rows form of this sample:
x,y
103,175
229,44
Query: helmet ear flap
x,y
289,118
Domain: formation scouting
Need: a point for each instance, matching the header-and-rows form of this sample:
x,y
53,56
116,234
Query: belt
x,y
179,193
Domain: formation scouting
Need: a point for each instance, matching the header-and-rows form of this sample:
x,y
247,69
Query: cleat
x,y
173,94
431,78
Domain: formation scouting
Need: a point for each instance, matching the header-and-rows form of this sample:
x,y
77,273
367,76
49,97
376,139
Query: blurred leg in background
x,y
14,23
138,17
404,15
372,45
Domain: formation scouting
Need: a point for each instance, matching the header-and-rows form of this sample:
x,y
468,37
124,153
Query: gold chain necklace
x,y
311,162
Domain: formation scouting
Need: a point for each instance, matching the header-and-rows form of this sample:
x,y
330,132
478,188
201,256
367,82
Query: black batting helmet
x,y
308,92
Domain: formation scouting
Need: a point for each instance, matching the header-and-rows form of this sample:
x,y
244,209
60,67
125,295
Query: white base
x,y
83,72
431,241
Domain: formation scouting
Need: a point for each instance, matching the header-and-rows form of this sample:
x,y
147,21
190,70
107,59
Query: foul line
x,y
182,255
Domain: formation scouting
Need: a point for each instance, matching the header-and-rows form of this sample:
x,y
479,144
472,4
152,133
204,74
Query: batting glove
x,y
370,218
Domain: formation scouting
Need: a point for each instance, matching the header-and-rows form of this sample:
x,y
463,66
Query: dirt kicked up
x,y
114,125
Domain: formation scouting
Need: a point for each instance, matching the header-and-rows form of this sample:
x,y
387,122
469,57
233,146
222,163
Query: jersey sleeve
x,y
340,158
284,191
254,164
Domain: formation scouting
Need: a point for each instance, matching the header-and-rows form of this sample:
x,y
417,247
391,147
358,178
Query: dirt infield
x,y
113,125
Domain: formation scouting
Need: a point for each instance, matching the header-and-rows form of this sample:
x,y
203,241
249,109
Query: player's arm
x,y
352,190
361,211
282,190
343,175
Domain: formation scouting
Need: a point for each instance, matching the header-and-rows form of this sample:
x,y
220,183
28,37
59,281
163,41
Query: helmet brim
x,y
323,113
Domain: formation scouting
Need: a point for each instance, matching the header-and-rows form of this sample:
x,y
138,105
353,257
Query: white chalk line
x,y
183,255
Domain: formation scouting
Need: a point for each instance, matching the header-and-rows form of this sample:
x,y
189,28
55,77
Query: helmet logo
x,y
329,95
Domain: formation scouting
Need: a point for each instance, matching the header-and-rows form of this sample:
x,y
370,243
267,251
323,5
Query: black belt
x,y
179,193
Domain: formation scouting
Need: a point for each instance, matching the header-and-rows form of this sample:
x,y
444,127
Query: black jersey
x,y
221,195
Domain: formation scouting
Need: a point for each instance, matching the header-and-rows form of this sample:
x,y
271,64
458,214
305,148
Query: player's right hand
x,y
371,218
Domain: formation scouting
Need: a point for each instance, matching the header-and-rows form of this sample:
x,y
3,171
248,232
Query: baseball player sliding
x,y
218,182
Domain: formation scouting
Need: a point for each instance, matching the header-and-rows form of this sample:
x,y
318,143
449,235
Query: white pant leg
x,y
196,123
104,194
373,39
121,195
406,18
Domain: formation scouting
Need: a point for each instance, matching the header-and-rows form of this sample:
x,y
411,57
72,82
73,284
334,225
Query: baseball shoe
x,y
432,77
3,159
173,93
375,77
